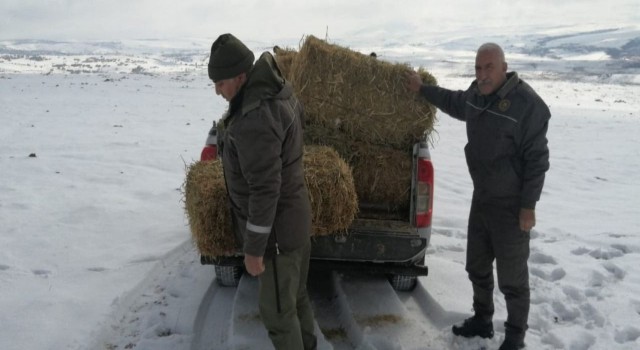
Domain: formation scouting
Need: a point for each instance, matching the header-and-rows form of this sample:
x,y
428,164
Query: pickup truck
x,y
381,240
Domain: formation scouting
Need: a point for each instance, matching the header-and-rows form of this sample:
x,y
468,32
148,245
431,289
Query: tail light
x,y
209,152
424,193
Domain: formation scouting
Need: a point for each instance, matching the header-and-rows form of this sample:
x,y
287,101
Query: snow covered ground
x,y
96,252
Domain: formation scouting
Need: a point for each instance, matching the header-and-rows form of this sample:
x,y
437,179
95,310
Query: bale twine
x,y
362,97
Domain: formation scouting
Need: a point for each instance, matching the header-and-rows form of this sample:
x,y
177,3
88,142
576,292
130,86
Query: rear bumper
x,y
370,268
362,251
336,265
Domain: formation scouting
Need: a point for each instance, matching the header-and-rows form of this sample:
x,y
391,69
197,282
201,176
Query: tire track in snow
x,y
210,331
179,305
159,311
376,318
229,319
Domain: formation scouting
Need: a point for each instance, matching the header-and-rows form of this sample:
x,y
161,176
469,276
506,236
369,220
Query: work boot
x,y
512,343
474,327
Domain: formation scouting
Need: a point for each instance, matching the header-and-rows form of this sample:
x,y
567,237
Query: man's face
x,y
228,88
491,71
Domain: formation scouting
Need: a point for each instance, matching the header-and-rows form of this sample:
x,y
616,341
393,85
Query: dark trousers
x,y
285,307
494,234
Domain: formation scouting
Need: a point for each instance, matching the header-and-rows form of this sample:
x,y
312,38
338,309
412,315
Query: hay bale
x,y
329,182
359,95
206,204
382,175
334,202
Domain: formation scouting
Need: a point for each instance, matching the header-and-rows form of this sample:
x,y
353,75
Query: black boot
x,y
474,327
512,343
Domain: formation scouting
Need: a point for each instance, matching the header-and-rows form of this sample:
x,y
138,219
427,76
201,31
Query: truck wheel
x,y
228,276
403,283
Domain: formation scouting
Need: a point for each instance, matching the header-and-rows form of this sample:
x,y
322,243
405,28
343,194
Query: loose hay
x,y
330,185
359,95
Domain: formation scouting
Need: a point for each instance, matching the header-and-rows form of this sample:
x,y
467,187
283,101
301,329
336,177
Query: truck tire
x,y
403,283
228,276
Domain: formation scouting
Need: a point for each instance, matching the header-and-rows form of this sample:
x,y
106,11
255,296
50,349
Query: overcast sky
x,y
263,19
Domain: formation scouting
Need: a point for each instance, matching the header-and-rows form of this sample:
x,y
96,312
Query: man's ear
x,y
242,78
504,66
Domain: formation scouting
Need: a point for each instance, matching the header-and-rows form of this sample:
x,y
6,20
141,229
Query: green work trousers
x,y
285,307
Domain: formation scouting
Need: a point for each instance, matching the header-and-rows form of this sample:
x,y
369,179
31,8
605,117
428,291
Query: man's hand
x,y
414,82
527,219
253,264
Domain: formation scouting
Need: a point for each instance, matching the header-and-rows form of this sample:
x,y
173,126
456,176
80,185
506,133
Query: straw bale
x,y
206,204
330,186
382,175
359,95
334,202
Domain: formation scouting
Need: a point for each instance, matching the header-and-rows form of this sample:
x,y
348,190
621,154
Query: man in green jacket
x,y
262,149
508,157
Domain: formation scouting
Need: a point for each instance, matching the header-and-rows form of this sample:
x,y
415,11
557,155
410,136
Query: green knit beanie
x,y
229,58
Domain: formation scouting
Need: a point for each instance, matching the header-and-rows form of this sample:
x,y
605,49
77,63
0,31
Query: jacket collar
x,y
236,101
510,84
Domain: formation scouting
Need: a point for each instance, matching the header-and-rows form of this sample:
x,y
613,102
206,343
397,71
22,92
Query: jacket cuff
x,y
528,205
256,239
424,90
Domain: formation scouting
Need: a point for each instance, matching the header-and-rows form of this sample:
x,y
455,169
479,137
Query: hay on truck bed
x,y
363,97
360,106
334,202
331,191
382,175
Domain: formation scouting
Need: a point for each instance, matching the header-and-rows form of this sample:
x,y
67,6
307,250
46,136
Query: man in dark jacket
x,y
507,156
262,159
